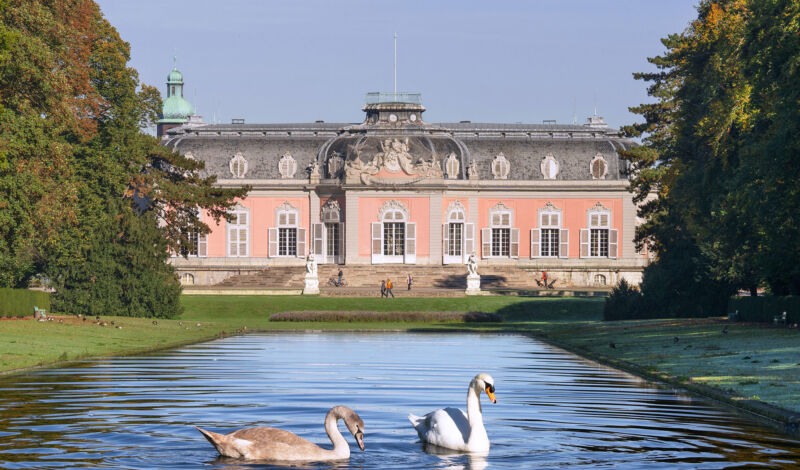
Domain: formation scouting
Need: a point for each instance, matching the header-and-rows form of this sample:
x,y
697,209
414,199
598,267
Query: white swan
x,y
276,444
452,428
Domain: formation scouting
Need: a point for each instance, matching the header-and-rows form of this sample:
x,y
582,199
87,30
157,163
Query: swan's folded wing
x,y
446,427
277,444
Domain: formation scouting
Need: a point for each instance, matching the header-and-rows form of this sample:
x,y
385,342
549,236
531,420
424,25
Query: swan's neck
x,y
474,412
340,446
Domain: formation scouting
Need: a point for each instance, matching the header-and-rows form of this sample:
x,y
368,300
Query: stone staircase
x,y
369,276
276,277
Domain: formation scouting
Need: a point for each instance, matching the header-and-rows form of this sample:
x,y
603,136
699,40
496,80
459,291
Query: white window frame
x,y
599,218
330,214
457,214
287,217
239,229
393,212
238,166
550,217
500,217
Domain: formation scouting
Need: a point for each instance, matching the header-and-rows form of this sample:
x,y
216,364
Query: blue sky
x,y
491,61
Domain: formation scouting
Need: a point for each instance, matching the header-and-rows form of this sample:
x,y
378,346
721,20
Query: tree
x,y
81,187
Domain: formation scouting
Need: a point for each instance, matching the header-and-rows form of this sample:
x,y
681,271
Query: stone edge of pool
x,y
786,421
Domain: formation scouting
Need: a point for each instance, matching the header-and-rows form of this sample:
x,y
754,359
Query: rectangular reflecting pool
x,y
554,409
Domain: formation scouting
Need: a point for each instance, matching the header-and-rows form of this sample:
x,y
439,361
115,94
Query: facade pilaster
x,y
435,236
351,227
628,226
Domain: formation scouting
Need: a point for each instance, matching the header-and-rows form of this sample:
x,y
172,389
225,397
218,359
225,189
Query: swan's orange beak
x,y
490,393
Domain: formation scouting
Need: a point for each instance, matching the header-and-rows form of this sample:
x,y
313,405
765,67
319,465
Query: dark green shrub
x,y
763,309
624,303
20,302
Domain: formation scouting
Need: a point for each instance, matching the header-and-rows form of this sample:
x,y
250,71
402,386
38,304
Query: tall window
x,y
550,224
287,238
394,233
239,234
287,232
500,239
455,231
599,240
394,238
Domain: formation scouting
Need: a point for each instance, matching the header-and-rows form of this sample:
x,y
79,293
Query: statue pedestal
x,y
312,285
473,284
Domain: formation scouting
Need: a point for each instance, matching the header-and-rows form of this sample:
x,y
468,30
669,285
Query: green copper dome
x,y
175,77
175,108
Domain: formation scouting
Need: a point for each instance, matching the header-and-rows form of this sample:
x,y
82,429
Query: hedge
x,y
764,309
369,316
20,302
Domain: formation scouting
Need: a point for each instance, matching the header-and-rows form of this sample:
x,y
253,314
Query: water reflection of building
x,y
395,189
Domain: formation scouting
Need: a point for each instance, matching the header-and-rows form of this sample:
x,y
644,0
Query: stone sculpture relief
x,y
287,166
472,171
238,166
393,157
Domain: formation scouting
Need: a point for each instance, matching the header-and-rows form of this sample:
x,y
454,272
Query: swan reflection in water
x,y
455,460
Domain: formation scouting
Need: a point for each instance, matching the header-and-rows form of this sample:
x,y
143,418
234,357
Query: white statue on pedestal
x,y
473,278
312,280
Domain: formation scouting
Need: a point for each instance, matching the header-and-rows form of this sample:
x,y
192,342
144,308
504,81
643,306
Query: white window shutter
x,y
411,243
272,241
232,242
486,242
563,243
243,242
445,239
377,242
202,246
341,241
536,237
318,243
469,240
584,243
514,249
301,242
613,243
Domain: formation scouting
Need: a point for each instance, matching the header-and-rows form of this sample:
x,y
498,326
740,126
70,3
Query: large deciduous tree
x,y
86,198
716,175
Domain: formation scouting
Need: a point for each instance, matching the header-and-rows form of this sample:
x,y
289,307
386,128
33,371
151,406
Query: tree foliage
x,y
86,198
715,177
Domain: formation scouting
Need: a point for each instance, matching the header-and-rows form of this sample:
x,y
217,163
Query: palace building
x,y
398,191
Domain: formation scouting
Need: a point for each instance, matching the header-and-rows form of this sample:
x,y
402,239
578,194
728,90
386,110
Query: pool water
x,y
554,410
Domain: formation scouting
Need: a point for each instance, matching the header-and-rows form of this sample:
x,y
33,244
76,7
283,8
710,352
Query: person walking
x,y
410,280
544,278
383,288
339,280
389,288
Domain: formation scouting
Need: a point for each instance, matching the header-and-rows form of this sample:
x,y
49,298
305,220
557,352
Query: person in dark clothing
x,y
339,280
383,288
410,280
389,288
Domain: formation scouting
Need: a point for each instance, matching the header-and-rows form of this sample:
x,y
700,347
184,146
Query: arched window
x,y
239,233
549,167
187,279
238,166
600,279
328,240
287,238
394,238
500,239
500,167
549,240
451,166
457,235
599,240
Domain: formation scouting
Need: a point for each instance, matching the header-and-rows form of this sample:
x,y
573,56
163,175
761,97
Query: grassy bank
x,y
27,343
750,361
